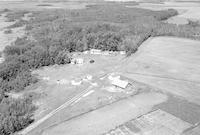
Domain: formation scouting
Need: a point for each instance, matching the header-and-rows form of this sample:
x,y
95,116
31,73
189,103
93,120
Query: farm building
x,y
122,52
1,60
76,83
120,83
95,51
77,61
105,52
85,52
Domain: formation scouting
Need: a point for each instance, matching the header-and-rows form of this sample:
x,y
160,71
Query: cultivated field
x,y
156,122
171,64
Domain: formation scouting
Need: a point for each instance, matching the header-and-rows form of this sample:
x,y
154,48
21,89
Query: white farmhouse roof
x,y
75,83
95,51
120,83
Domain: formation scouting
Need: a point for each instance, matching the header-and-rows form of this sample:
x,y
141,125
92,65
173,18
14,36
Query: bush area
x,y
194,23
8,31
14,16
4,11
53,35
15,115
18,23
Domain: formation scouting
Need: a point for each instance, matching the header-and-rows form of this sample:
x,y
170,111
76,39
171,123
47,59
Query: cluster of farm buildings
x,y
96,52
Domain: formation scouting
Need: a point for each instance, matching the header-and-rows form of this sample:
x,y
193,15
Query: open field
x,y
171,64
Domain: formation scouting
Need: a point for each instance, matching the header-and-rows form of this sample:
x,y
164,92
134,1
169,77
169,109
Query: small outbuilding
x,y
122,52
95,51
77,61
76,83
105,52
85,52
1,59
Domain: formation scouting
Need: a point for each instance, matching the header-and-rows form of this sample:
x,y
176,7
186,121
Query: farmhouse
x,y
95,51
120,83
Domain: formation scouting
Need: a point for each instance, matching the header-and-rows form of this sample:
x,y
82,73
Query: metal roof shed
x,y
120,83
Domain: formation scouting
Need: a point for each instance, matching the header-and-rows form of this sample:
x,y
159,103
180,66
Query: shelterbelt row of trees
x,y
53,34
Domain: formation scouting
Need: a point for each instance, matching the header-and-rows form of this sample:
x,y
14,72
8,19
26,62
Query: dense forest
x,y
52,35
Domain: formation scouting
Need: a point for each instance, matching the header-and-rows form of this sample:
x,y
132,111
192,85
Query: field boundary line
x,y
163,77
